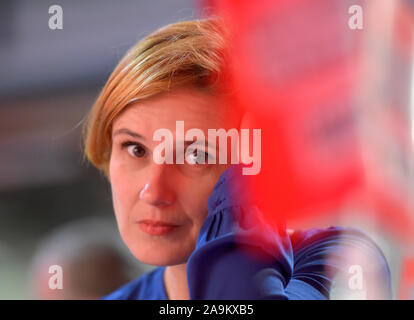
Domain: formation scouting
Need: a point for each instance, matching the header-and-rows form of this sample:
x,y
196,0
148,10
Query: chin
x,y
164,256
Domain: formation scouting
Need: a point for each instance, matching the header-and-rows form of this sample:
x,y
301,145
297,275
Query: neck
x,y
175,279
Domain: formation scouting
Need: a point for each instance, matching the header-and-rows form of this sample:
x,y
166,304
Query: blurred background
x,y
54,207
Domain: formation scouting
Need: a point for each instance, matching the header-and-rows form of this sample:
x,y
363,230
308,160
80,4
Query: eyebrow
x,y
138,136
128,132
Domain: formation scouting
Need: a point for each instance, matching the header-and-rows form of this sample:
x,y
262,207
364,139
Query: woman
x,y
207,244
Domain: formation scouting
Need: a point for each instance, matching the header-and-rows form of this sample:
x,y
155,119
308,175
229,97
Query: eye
x,y
196,156
134,149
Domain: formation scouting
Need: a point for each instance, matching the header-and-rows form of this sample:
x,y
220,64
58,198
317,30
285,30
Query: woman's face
x,y
160,208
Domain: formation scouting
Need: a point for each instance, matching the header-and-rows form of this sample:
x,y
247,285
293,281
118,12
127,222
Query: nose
x,y
157,190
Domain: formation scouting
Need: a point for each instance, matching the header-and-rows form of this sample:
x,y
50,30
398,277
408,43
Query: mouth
x,y
156,228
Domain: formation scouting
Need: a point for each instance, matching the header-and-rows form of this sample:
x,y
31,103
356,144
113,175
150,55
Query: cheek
x,y
196,205
197,193
122,193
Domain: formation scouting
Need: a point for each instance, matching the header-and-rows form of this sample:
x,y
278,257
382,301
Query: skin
x,y
173,193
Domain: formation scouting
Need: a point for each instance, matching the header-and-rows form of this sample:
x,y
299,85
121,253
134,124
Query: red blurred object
x,y
407,279
298,67
295,65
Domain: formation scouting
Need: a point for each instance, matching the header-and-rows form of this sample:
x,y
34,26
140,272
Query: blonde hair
x,y
183,54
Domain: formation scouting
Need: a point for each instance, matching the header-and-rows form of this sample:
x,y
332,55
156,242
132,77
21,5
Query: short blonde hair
x,y
183,54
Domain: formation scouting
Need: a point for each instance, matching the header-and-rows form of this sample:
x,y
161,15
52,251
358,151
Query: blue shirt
x,y
239,257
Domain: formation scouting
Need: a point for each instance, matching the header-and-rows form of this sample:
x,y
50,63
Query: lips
x,y
156,228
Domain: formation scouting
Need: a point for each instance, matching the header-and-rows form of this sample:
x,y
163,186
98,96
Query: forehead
x,y
196,109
